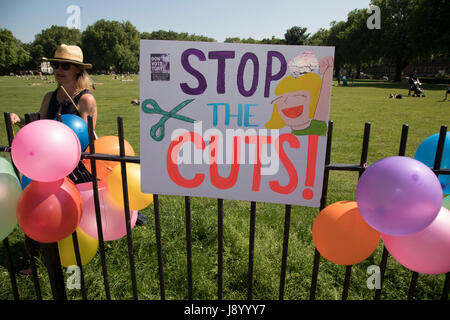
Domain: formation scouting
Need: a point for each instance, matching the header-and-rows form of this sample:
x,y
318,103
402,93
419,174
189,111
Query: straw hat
x,y
71,54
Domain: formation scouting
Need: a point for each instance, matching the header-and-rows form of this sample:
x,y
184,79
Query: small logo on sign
x,y
160,66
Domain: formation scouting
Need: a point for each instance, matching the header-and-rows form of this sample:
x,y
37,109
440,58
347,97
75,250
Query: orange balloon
x,y
107,145
342,236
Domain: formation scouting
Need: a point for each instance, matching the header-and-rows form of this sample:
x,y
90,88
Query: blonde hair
x,y
310,82
84,81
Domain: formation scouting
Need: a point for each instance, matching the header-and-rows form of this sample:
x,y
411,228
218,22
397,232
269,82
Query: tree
x,y
410,29
394,42
359,41
161,35
239,40
172,35
296,36
46,42
273,40
126,61
233,40
319,38
13,56
430,28
336,38
112,45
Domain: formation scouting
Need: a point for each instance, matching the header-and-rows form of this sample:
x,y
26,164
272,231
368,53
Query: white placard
x,y
234,121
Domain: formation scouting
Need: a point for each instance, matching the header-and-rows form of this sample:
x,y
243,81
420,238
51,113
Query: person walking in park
x,y
447,92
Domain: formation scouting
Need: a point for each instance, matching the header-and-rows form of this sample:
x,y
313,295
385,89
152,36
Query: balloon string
x,y
76,107
21,125
59,110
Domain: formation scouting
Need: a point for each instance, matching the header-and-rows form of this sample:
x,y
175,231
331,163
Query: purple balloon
x,y
399,196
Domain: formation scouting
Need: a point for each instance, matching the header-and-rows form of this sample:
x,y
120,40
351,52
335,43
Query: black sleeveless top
x,y
80,173
67,106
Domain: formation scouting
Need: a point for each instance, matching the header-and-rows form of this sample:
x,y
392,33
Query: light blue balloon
x,y
426,153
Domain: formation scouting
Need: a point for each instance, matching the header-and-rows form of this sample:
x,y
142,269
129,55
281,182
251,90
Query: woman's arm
x,y
326,69
15,119
87,106
44,105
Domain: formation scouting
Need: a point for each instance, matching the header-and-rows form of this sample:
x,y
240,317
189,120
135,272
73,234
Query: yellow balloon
x,y
136,199
87,245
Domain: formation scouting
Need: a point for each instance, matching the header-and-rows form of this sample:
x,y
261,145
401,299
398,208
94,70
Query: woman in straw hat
x,y
72,95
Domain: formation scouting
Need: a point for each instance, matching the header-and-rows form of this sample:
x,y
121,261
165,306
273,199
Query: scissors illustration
x,y
157,132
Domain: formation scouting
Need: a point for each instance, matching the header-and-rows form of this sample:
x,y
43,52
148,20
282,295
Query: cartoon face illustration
x,y
302,101
296,102
293,108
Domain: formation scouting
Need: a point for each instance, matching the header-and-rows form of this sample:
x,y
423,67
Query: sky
x,y
217,19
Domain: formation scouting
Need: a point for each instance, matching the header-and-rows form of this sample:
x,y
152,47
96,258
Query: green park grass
x,y
351,108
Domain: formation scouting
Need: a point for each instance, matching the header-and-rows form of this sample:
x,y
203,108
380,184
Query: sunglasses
x,y
64,65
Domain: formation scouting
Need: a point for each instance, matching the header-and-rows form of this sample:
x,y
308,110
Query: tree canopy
x,y
172,35
12,53
410,30
112,45
46,42
296,36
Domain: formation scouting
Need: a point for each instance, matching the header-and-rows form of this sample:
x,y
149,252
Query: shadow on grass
x,y
393,85
20,258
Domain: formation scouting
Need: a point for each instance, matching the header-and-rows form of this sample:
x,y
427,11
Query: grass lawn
x,y
351,107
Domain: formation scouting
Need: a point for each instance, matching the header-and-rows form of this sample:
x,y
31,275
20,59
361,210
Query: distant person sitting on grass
x,y
447,91
344,80
415,86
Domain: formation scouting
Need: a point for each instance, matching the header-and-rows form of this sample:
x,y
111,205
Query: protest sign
x,y
234,121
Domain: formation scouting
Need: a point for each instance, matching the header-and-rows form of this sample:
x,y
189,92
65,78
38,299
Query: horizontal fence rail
x,y
52,255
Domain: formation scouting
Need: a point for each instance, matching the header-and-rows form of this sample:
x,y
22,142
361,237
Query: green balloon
x,y
10,190
446,202
6,166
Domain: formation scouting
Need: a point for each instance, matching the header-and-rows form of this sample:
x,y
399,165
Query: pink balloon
x,y
427,251
46,150
112,215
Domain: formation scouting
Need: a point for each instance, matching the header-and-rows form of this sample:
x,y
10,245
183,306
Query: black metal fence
x,y
52,255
